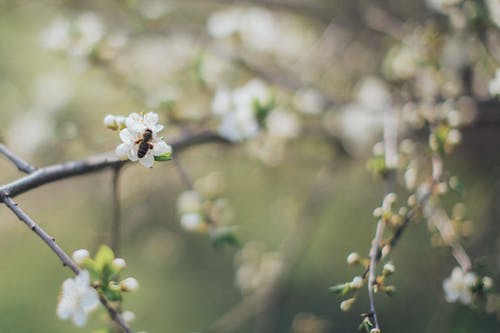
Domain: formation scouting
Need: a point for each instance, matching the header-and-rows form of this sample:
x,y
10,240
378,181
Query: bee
x,y
144,143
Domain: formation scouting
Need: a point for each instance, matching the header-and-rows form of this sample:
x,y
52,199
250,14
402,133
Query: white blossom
x,y
132,137
79,256
458,287
78,299
237,109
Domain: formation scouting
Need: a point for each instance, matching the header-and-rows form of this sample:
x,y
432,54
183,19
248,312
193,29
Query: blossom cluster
x,y
204,209
140,140
256,268
82,37
462,286
98,277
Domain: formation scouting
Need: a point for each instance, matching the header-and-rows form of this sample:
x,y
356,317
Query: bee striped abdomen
x,y
144,144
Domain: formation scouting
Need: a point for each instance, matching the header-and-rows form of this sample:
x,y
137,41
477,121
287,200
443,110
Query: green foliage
x,y
163,158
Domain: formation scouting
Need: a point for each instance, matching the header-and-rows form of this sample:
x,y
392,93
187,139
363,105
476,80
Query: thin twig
x,y
65,259
21,164
116,222
70,169
391,162
443,224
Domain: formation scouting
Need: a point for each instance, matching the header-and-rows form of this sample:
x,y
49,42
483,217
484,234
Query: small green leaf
x,y
223,236
341,289
164,157
104,257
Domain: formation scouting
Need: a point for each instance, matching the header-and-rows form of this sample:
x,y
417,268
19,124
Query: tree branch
x,y
65,259
56,172
21,164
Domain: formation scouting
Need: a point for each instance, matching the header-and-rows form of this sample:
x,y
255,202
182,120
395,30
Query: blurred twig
x,y
65,259
21,164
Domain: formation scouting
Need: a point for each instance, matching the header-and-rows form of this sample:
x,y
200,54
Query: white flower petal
x,y
90,300
122,150
132,154
64,309
147,160
150,119
158,128
79,317
161,148
126,136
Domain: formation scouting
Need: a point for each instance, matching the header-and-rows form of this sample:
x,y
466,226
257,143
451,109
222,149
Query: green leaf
x,y
164,157
341,289
112,295
104,257
223,236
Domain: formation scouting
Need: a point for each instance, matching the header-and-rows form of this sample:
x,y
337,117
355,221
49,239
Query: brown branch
x,y
96,163
65,259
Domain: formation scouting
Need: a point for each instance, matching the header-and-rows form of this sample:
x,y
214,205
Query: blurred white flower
x,y
256,268
282,124
188,201
494,85
192,221
458,287
237,109
77,38
141,133
224,23
78,299
128,316
309,100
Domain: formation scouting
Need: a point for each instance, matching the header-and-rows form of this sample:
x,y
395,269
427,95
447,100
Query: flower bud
x,y
346,305
487,283
353,259
119,263
388,269
79,256
357,282
374,330
129,284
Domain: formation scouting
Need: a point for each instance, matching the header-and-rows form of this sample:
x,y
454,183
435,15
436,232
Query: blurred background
x,y
298,192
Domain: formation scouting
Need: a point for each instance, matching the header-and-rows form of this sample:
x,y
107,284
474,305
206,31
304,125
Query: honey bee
x,y
144,143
